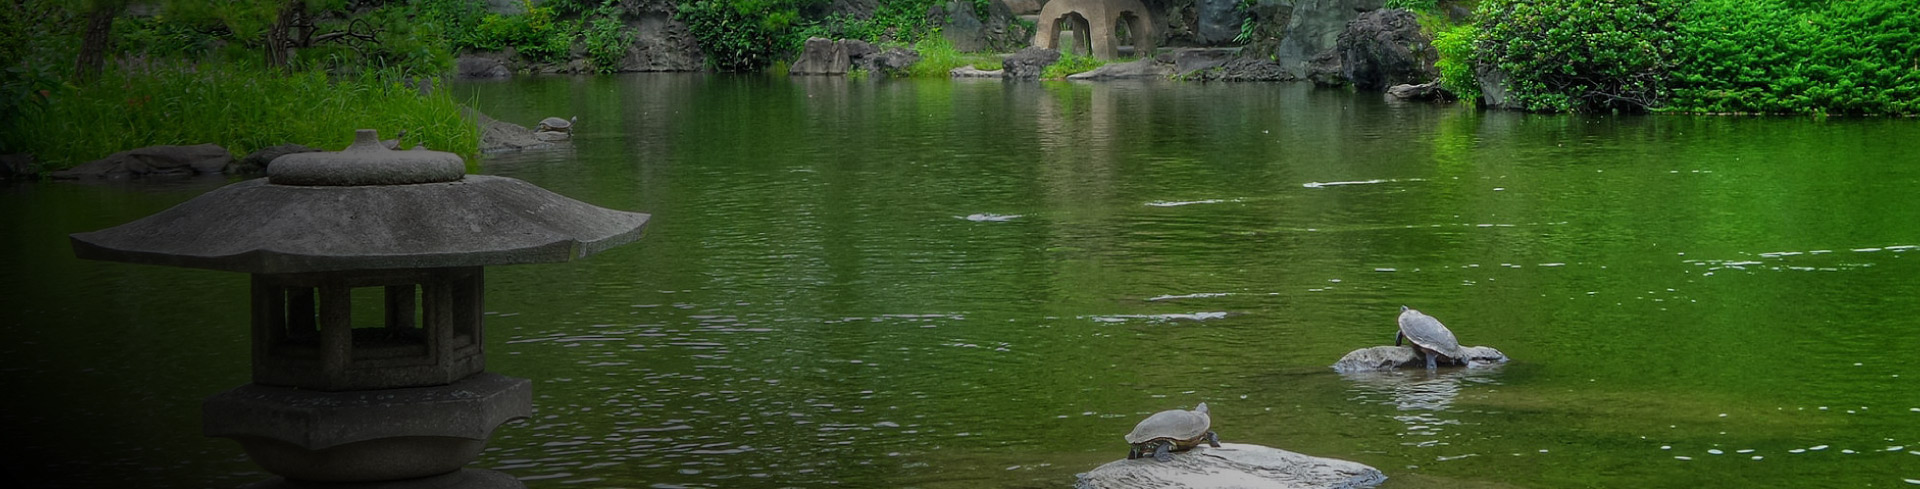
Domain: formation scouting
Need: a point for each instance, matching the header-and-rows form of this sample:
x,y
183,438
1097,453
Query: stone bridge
x,y
1095,24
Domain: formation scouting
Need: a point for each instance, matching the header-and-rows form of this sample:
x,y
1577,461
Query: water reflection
x,y
1425,399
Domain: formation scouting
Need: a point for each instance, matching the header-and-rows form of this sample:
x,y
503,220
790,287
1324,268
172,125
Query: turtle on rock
x,y
1172,431
1431,338
556,124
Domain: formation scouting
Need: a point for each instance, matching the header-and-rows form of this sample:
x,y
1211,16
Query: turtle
x,y
1428,336
557,124
1172,431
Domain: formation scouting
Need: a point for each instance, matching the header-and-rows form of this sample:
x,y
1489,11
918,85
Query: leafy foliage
x,y
607,39
537,34
743,35
892,21
1414,5
1581,55
1786,56
1456,61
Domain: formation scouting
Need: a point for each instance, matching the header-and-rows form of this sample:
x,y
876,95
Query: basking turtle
x,y
1172,431
556,124
1431,338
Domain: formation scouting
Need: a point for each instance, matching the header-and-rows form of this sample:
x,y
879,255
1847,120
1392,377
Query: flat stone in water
x,y
1233,465
1382,358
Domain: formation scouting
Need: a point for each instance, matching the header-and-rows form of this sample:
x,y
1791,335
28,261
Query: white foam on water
x,y
1757,457
989,217
1682,457
1715,451
1744,450
1817,447
1797,450
1334,184
1666,447
1201,295
1163,203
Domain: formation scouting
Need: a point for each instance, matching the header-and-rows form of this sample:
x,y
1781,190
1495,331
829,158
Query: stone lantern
x,y
398,400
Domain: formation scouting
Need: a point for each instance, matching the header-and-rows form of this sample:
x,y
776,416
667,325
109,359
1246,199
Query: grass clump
x,y
938,58
238,107
1069,64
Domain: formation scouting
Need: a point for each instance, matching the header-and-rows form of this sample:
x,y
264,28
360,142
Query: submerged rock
x,y
969,71
497,136
163,160
1233,465
1425,91
1381,358
1143,68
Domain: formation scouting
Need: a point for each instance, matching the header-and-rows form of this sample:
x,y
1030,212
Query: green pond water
x,y
948,284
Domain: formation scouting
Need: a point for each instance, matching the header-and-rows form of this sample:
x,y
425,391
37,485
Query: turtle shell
x,y
555,124
1427,332
1177,425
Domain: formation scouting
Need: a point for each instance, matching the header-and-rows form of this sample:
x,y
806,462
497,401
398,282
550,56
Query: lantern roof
x,y
366,207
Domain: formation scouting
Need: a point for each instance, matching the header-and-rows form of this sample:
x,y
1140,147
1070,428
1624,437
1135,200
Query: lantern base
x,y
367,436
461,479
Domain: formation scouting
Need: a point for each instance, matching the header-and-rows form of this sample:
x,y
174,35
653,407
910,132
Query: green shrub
x,y
1581,55
1456,61
607,40
241,108
1785,56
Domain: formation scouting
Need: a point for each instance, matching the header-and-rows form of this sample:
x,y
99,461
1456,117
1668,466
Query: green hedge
x,y
1747,56
1781,56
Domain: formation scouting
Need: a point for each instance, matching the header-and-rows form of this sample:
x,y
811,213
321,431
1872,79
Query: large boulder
x,y
1326,70
1232,466
821,56
18,166
481,66
1313,27
1191,60
963,26
1383,48
887,62
165,160
1493,88
661,43
1028,63
1142,68
1218,21
960,25
256,162
1382,358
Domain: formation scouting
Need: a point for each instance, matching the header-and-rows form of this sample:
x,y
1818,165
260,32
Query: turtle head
x,y
1202,408
1403,308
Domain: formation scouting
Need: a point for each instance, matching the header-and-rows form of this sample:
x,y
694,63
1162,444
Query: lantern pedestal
x,y
464,479
365,436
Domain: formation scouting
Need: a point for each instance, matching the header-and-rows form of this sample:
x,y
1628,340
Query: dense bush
x,y
1581,55
1070,63
743,35
1787,56
1455,46
537,34
607,39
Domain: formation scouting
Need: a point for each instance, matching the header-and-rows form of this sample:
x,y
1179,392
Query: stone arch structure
x,y
1094,23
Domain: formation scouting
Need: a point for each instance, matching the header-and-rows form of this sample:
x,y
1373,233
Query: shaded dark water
x,y
955,284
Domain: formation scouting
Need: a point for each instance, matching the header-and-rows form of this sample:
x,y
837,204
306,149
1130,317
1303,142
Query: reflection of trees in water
x,y
1424,398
